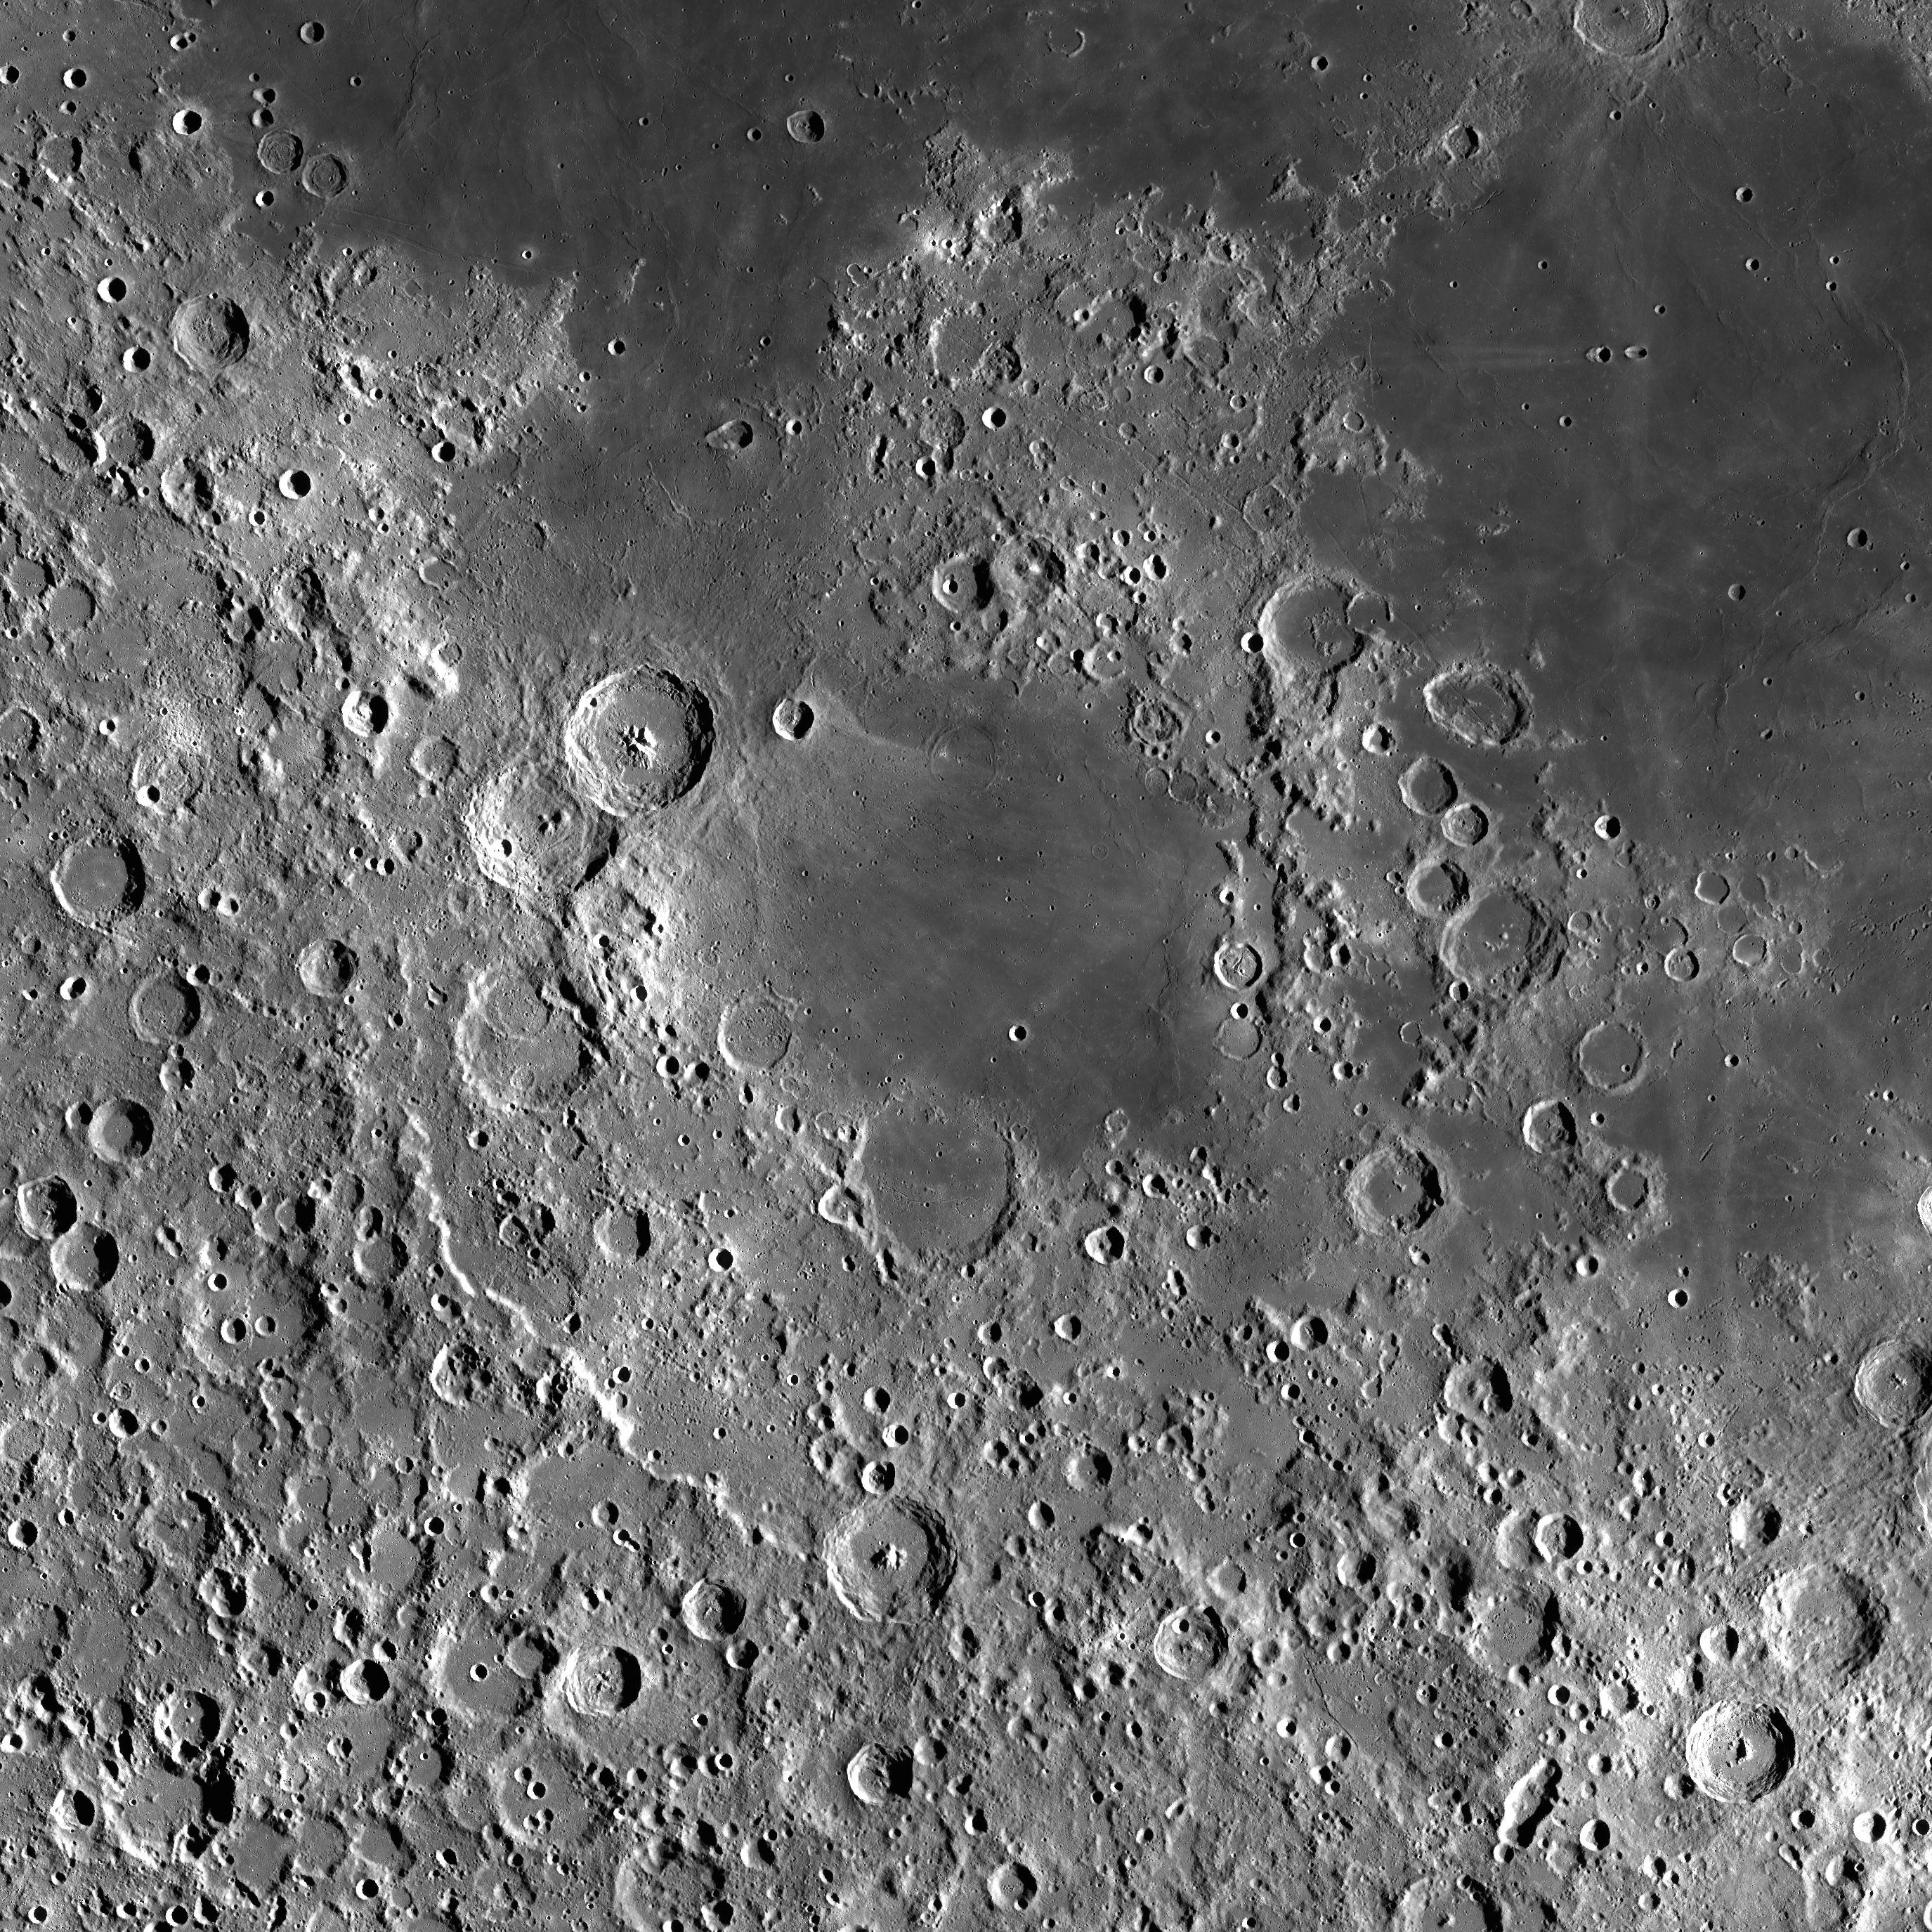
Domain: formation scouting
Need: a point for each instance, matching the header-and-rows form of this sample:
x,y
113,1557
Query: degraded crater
x,y
1304,625
1447,1902
1755,1522
1155,724
1629,1187
529,833
1427,786
517,1045
1436,888
1009,870
1396,1189
1821,1624
1237,965
1512,1626
663,1883
1478,1391
210,333
1189,1642
753,1034
1012,1885
185,1723
327,967
1027,570
939,1181
96,880
1478,703
962,583
85,1258
1503,944
1610,1055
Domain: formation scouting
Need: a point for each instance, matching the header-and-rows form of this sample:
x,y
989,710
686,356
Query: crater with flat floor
x,y
929,882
